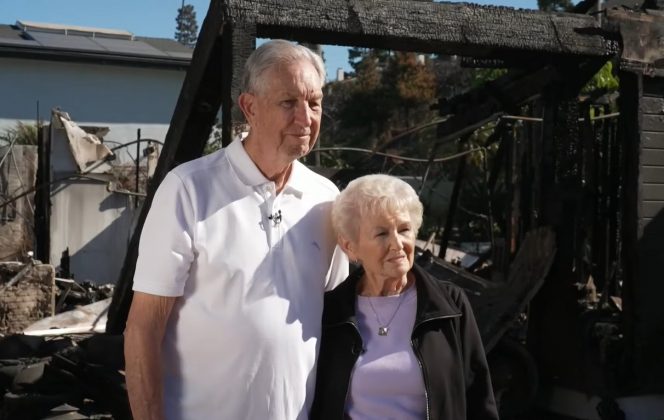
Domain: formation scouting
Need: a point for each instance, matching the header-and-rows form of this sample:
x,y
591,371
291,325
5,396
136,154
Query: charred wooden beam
x,y
629,133
454,200
239,40
488,102
642,35
448,28
497,305
43,196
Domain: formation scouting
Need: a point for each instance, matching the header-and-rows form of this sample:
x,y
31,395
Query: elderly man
x,y
235,256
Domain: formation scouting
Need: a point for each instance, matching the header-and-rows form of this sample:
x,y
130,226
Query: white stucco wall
x,y
119,97
92,223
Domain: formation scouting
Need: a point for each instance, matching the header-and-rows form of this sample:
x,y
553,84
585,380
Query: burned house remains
x,y
568,296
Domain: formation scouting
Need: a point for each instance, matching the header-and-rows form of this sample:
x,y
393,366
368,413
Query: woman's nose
x,y
395,242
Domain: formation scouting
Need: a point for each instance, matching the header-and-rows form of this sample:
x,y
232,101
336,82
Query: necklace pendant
x,y
383,330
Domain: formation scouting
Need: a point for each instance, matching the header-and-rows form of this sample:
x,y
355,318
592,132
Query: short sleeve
x,y
165,251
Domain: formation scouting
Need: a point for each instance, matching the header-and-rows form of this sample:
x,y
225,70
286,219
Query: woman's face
x,y
385,244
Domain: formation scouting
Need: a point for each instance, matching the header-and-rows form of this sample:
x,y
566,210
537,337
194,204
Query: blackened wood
x,y
449,28
629,133
527,273
239,41
504,95
43,196
554,314
641,37
497,305
510,169
531,170
190,127
454,201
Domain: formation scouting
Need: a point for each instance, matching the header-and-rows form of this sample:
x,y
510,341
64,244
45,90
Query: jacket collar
x,y
432,301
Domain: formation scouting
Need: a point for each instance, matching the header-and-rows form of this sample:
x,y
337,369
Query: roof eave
x,y
50,54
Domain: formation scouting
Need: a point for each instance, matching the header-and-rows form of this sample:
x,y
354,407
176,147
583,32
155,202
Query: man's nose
x,y
303,115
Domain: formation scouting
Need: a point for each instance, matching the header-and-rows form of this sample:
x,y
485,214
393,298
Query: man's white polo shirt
x,y
251,267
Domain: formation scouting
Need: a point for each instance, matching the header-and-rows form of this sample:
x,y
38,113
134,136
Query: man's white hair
x,y
274,53
371,195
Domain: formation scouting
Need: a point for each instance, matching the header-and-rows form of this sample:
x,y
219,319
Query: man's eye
x,y
314,105
288,104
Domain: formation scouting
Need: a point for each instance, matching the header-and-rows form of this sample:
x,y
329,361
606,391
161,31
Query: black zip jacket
x,y
445,339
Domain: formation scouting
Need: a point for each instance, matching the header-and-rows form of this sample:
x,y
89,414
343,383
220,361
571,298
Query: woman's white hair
x,y
370,195
274,53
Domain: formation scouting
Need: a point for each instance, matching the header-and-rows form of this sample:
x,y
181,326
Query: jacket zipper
x,y
419,358
424,377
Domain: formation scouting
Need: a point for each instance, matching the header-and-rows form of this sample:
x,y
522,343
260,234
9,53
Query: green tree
x,y
186,29
604,79
390,93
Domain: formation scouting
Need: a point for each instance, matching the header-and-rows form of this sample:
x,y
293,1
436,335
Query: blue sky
x,y
154,18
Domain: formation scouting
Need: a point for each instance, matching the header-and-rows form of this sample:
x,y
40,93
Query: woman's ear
x,y
347,246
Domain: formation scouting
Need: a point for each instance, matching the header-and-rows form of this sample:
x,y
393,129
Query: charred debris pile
x,y
54,362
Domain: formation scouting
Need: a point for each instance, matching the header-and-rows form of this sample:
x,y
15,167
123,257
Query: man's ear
x,y
246,102
347,246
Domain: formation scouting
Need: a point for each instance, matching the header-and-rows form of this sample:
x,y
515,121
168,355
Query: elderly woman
x,y
396,343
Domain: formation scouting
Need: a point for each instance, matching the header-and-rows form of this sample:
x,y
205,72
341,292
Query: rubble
x,y
62,378
27,294
55,361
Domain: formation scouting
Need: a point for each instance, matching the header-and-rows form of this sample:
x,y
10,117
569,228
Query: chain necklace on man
x,y
384,328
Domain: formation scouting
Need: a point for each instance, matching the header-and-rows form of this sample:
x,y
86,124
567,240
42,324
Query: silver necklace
x,y
384,328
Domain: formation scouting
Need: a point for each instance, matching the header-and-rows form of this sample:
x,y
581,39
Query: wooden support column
x,y
629,133
454,198
239,41
554,314
43,195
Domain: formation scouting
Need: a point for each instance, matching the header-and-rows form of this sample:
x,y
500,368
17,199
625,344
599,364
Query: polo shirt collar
x,y
250,175
296,183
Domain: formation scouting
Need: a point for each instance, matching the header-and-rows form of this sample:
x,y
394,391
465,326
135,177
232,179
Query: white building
x,y
101,77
